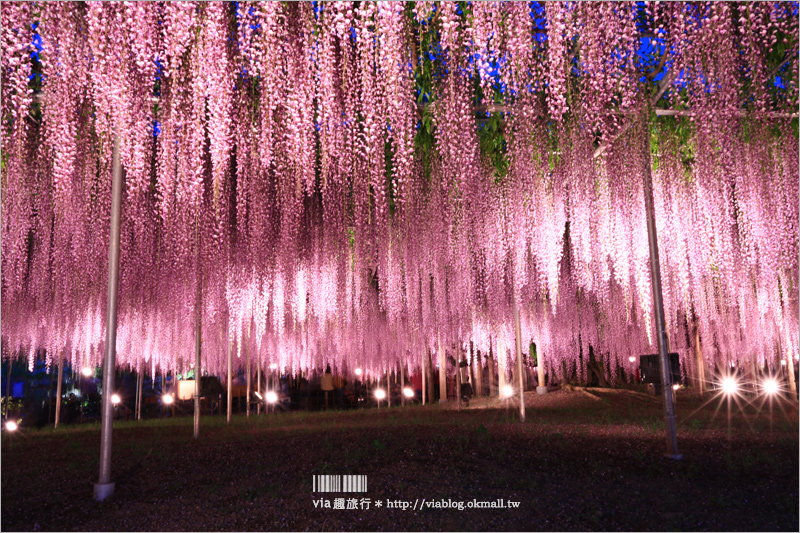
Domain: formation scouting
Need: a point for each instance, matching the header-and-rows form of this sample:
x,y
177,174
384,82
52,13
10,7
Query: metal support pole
x,y
249,388
402,385
519,365
258,387
58,389
139,393
442,370
230,383
458,381
104,487
198,374
424,371
490,364
658,304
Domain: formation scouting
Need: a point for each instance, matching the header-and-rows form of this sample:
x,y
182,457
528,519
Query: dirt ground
x,y
582,460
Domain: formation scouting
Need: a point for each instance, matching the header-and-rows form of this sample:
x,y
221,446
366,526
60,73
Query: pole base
x,y
442,400
541,390
674,457
103,491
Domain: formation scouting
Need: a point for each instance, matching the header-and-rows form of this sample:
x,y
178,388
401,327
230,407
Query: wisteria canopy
x,y
360,183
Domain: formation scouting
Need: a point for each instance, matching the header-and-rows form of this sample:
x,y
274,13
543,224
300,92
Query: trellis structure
x,y
288,156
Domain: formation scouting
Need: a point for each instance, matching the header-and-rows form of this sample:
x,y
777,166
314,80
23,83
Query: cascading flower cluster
x,y
277,174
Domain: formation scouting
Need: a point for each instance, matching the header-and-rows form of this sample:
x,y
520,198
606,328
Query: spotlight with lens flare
x,y
632,359
359,371
87,372
408,392
115,399
167,399
272,397
273,366
380,394
730,385
11,425
770,386
508,391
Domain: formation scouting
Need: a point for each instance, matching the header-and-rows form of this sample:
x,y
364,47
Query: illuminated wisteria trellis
x,y
358,184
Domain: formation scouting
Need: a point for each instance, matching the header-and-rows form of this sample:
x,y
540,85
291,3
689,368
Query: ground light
x,y
380,394
272,397
632,359
11,425
167,399
508,391
273,366
358,371
115,399
87,372
730,385
408,392
770,386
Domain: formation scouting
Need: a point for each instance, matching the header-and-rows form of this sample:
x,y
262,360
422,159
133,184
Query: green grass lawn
x,y
576,463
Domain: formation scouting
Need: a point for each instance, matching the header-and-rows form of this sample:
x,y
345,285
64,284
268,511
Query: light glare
x,y
632,359
11,425
380,394
167,399
771,386
408,392
272,397
87,372
729,386
508,390
358,371
115,399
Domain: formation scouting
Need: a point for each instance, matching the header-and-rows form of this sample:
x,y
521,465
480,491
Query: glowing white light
x,y
632,359
258,395
11,425
676,387
770,386
358,371
167,399
408,392
273,366
783,362
87,372
272,397
729,385
380,394
508,390
115,399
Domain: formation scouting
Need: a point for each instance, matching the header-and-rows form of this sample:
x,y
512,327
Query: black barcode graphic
x,y
339,483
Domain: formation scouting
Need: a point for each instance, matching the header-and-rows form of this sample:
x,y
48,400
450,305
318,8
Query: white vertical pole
x,y
658,304
104,487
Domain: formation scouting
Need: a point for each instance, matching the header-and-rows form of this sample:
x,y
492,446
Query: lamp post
x,y
104,487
